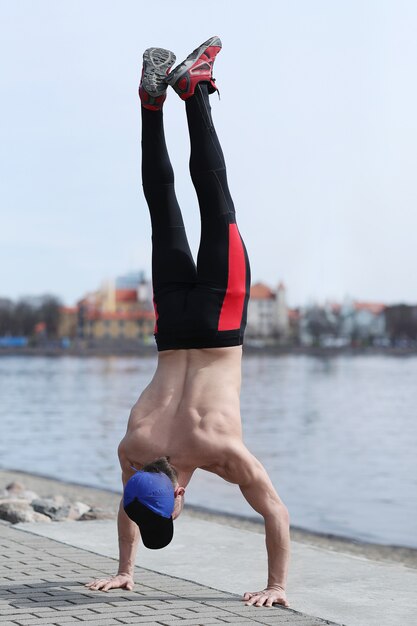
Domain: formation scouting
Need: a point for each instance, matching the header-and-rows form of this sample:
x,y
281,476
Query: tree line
x,y
19,318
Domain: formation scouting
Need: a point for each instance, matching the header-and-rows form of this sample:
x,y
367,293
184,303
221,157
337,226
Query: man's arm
x,y
128,533
257,488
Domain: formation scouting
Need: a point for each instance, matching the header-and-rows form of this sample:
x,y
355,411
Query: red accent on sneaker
x,y
201,70
149,102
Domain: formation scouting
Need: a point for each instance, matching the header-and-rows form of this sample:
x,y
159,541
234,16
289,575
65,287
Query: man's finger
x,y
94,585
261,600
248,595
107,586
252,600
99,584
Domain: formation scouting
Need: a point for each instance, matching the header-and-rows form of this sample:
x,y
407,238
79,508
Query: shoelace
x,y
217,89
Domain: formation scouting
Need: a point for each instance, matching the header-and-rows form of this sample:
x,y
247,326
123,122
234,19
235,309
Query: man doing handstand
x,y
188,417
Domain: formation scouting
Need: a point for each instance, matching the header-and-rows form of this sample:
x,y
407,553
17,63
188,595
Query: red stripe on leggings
x,y
232,307
155,330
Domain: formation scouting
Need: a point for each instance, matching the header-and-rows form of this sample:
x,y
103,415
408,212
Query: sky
x,y
317,119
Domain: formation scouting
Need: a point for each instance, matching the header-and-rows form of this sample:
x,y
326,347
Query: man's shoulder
x,y
235,462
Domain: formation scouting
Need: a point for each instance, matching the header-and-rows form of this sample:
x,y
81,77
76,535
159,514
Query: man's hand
x,y
267,597
121,581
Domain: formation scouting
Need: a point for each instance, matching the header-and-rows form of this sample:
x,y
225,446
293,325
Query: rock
x,y
18,504
15,511
58,509
38,517
27,495
58,500
78,509
96,513
54,499
15,487
18,490
52,507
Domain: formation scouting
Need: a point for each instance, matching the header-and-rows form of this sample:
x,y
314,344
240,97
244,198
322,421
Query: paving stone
x,y
235,620
91,616
147,623
117,611
7,616
102,622
189,622
142,620
63,619
64,623
28,621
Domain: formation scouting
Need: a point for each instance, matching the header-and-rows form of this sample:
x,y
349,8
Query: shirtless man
x,y
189,415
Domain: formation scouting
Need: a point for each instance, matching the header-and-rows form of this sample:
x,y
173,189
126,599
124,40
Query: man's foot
x,y
197,67
152,89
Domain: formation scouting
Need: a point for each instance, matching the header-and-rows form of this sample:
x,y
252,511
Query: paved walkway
x,y
41,582
334,586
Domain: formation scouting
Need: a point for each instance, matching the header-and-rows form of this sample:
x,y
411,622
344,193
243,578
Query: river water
x,y
338,435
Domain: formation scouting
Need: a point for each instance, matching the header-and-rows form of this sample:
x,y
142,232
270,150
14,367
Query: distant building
x,y
338,325
68,322
319,325
268,315
120,309
401,325
294,317
282,322
120,325
362,321
130,280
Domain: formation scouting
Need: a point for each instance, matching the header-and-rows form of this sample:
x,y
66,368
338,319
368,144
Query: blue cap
x,y
148,500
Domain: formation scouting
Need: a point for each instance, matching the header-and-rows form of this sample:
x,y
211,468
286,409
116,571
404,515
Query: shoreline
x,y
140,351
108,499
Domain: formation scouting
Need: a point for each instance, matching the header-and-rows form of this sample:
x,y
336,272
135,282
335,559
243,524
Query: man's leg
x,y
172,261
222,262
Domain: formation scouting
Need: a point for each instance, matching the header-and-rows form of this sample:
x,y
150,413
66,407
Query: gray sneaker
x,y
157,63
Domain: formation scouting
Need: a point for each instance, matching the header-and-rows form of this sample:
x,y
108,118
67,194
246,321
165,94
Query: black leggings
x,y
201,306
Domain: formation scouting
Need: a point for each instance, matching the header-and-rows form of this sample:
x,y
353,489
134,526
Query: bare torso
x,y
190,412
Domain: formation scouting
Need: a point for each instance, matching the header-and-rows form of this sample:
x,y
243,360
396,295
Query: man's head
x,y
153,499
163,465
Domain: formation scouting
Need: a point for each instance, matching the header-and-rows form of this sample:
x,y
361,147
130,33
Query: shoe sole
x,y
183,68
157,61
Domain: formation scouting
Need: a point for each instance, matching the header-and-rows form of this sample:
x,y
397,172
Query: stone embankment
x,y
18,504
